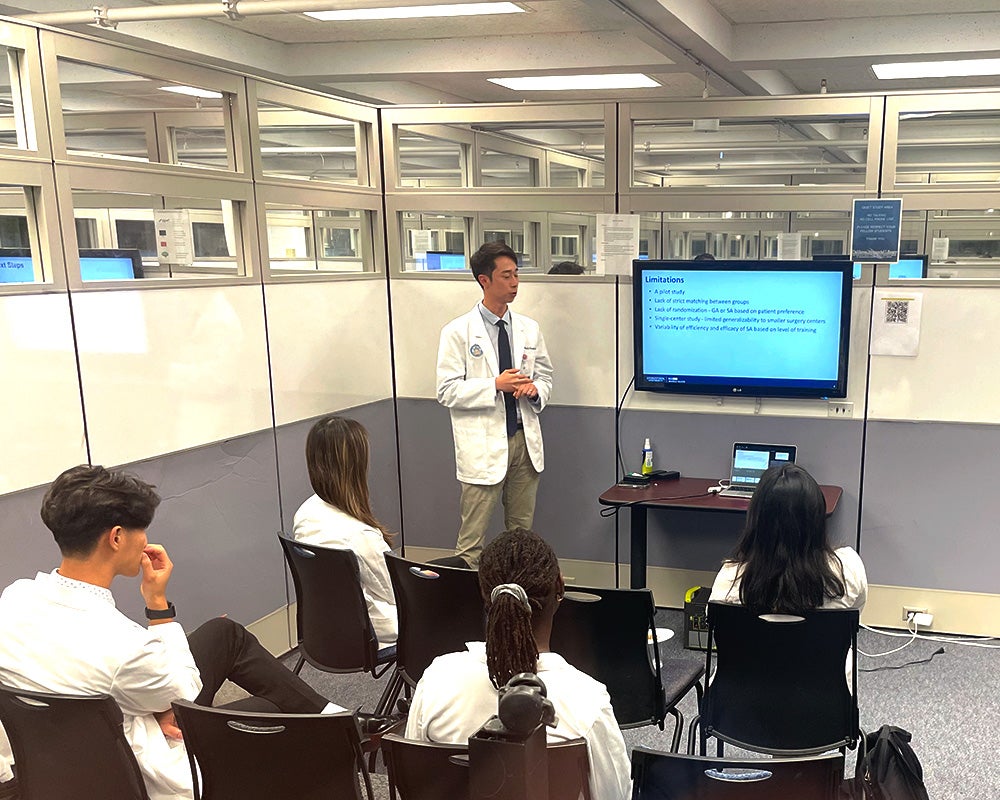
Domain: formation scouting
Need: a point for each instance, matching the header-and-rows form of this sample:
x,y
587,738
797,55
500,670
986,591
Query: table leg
x,y
637,554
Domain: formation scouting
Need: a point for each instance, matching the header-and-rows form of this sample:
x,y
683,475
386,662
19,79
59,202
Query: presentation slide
x,y
778,325
16,269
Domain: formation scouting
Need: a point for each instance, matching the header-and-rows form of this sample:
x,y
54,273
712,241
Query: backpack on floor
x,y
887,767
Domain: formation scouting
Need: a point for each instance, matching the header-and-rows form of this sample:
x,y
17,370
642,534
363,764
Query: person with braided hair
x,y
522,587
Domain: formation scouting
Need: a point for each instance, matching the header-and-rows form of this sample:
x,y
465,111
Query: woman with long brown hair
x,y
340,515
522,587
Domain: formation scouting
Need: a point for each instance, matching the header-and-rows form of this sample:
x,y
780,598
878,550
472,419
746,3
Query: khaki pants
x,y
517,492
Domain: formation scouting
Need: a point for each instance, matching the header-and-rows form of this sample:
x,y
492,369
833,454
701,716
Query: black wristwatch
x,y
162,613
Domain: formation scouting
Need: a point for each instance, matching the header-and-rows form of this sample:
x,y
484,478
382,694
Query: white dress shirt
x,y
64,636
317,522
455,697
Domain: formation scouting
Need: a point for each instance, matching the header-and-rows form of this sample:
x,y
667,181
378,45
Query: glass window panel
x,y
575,148
507,169
110,113
428,160
198,145
518,231
573,238
307,145
207,233
325,240
12,132
434,241
19,261
751,152
944,147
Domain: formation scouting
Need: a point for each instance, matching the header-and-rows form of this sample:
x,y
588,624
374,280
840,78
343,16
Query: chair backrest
x,y
430,771
604,633
334,629
440,609
780,683
244,756
673,776
69,746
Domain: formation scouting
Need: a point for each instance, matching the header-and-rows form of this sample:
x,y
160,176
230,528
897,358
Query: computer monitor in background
x,y
443,260
909,266
839,257
110,265
16,265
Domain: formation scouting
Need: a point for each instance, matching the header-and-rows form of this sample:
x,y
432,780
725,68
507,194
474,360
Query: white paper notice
x,y
421,242
939,248
790,246
173,237
896,323
617,243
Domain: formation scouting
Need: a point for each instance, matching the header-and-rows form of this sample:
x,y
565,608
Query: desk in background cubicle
x,y
689,494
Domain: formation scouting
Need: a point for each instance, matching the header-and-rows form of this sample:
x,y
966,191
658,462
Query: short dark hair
x,y
567,268
87,501
484,260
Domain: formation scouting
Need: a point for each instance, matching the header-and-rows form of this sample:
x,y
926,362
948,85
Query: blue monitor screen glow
x,y
909,267
110,265
440,260
754,328
16,265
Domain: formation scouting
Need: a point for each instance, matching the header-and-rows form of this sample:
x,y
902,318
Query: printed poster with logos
x,y
174,241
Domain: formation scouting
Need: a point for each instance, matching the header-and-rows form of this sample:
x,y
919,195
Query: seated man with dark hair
x,y
60,632
567,268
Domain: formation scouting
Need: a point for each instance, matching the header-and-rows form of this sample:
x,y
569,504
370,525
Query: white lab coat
x,y
467,369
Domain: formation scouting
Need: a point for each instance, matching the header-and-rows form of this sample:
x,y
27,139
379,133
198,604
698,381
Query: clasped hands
x,y
514,382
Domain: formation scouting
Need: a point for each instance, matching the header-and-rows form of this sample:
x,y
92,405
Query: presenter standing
x,y
495,377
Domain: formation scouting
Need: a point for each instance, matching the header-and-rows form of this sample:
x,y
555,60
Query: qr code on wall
x,y
896,311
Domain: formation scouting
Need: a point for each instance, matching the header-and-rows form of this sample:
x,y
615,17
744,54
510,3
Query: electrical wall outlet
x,y
923,620
909,611
839,408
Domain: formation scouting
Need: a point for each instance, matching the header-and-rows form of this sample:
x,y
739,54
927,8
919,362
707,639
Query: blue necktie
x,y
506,362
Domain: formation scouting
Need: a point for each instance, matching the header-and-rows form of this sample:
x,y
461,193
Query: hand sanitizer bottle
x,y
647,458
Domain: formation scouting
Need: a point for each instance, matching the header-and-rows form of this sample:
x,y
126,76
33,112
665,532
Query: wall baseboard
x,y
968,613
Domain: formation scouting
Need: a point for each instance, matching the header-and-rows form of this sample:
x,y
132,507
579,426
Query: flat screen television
x,y
742,328
110,265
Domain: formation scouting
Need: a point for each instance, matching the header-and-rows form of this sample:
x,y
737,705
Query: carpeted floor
x,y
950,705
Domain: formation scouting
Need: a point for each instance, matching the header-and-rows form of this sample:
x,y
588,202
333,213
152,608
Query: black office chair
x,y
69,746
334,630
433,771
440,609
243,756
671,776
779,685
606,633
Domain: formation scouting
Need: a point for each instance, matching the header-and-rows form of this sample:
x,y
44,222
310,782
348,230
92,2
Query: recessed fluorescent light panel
x,y
415,12
569,83
192,91
937,69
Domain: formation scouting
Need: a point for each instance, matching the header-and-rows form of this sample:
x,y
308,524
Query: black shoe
x,y
376,725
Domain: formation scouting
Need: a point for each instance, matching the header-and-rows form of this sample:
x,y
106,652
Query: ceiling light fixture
x,y
937,69
415,12
192,91
569,83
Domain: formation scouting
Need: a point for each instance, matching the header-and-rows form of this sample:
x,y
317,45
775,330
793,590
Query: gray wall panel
x,y
26,544
382,471
217,520
929,516
579,465
701,445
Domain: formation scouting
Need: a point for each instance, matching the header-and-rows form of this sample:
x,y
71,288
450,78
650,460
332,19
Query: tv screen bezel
x,y
734,388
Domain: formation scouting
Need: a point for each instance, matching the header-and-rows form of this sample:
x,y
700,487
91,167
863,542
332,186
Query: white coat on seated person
x,y
467,370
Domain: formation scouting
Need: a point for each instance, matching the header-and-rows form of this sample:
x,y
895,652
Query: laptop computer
x,y
749,463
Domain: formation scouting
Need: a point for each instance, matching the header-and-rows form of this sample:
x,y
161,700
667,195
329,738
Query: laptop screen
x,y
751,460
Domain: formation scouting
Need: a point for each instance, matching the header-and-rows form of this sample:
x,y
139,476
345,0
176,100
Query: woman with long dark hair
x,y
784,562
522,587
340,515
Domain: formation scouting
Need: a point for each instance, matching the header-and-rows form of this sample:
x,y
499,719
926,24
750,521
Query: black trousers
x,y
224,649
